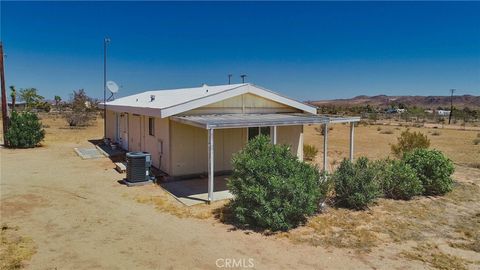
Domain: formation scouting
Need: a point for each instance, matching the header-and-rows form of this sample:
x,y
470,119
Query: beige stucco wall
x,y
189,146
134,130
158,145
111,125
292,136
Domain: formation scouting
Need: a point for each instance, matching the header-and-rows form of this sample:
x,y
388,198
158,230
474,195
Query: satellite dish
x,y
112,87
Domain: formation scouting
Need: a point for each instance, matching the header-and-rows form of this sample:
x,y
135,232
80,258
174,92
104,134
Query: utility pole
x,y
229,78
243,77
4,97
451,106
106,41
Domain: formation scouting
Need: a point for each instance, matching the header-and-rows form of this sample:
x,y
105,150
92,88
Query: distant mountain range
x,y
431,102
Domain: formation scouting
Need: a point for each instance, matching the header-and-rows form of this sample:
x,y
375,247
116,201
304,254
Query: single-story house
x,y
19,105
194,131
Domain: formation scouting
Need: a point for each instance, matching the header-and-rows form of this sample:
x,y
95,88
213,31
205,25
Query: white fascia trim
x,y
153,112
281,99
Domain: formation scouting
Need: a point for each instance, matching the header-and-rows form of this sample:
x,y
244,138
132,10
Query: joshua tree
x,y
13,95
31,97
57,101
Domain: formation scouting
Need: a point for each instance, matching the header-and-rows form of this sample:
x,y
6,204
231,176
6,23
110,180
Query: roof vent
x,y
152,98
205,86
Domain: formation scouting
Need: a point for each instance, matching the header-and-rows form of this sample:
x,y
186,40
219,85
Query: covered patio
x,y
227,121
192,191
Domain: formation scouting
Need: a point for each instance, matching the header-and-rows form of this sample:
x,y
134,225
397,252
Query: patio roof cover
x,y
221,121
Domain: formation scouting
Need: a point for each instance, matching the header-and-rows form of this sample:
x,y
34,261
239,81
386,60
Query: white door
x,y
124,131
135,140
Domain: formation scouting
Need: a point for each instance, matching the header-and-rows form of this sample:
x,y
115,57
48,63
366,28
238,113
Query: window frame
x,y
259,132
151,126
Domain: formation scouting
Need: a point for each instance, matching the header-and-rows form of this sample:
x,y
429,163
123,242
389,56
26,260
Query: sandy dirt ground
x,y
373,141
80,217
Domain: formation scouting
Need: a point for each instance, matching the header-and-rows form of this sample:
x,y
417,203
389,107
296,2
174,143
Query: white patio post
x,y
210,165
352,131
325,144
274,135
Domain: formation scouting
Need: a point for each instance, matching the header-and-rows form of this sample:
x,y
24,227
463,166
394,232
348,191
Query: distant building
x,y
443,113
19,105
394,110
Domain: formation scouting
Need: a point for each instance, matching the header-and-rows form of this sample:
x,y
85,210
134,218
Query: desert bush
x,y
25,130
309,152
387,131
476,141
433,169
356,184
83,109
475,165
321,129
409,141
436,133
399,180
272,189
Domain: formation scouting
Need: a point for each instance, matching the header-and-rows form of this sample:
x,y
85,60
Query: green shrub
x,y
398,180
272,189
356,184
433,169
309,152
409,141
25,130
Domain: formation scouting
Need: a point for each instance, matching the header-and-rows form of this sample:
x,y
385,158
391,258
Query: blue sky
x,y
310,50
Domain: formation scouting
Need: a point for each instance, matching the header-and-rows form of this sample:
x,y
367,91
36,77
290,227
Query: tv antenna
x,y
113,88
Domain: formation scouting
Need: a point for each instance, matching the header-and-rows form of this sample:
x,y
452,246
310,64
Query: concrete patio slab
x,y
194,191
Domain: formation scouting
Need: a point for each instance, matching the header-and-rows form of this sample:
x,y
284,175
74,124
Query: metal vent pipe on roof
x,y
243,76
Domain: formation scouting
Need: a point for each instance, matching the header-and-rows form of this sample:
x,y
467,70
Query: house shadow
x,y
195,191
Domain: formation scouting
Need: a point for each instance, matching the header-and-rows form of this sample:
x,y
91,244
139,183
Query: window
x,y
255,131
151,126
265,131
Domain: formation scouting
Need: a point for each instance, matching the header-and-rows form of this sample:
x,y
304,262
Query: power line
x,y
4,97
106,41
451,105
